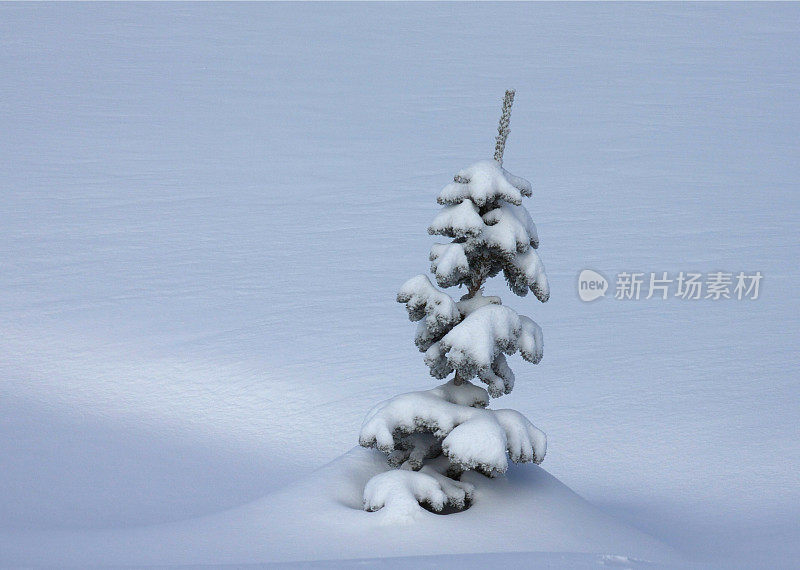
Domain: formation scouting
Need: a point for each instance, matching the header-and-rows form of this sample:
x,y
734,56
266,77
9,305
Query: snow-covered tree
x,y
434,436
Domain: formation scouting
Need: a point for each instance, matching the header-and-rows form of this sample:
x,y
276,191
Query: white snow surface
x,y
206,211
285,525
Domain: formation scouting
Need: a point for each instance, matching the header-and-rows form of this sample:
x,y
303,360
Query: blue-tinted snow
x,y
206,212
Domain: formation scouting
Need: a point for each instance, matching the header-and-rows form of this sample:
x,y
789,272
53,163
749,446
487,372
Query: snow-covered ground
x,y
320,518
206,212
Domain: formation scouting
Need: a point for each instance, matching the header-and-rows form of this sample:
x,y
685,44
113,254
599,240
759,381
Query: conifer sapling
x,y
434,436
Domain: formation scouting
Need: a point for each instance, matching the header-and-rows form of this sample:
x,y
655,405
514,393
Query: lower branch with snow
x,y
434,436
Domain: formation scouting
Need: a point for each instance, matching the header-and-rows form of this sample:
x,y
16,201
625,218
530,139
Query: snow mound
x,y
321,517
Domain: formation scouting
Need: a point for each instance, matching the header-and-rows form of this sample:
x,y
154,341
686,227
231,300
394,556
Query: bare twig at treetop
x,y
503,128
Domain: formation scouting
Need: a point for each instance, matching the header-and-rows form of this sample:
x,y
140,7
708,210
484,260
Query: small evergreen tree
x,y
434,436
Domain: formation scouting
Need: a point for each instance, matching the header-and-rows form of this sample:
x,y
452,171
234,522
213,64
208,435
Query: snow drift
x,y
321,518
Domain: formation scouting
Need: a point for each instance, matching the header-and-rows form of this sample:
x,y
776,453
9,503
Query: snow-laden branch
x,y
505,230
526,271
483,183
471,436
449,264
509,229
530,341
399,493
457,221
480,338
436,310
499,378
476,345
412,450
493,232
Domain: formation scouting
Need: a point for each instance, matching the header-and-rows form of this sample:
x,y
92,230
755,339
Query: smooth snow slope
x,y
206,212
528,509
